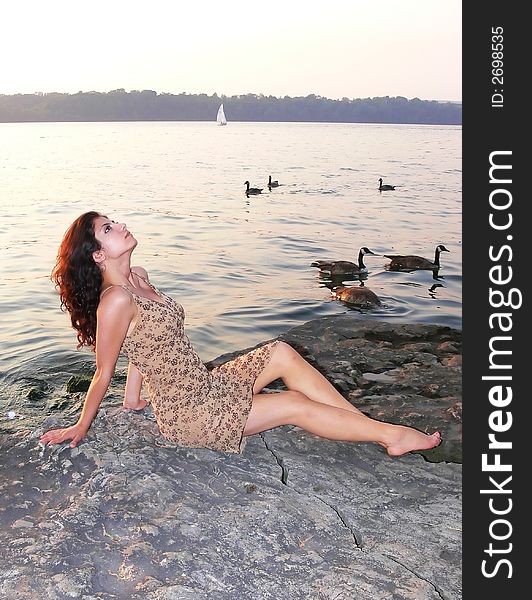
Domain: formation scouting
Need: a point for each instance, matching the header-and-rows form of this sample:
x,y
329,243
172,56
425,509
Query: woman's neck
x,y
119,275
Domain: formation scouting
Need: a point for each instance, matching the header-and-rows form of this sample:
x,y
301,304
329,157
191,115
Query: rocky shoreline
x,y
129,515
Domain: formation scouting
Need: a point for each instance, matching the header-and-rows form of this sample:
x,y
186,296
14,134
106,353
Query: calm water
x,y
239,266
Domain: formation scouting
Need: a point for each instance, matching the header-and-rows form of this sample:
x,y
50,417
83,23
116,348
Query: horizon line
x,y
221,96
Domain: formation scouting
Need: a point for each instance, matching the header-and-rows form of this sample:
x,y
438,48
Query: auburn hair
x,y
78,278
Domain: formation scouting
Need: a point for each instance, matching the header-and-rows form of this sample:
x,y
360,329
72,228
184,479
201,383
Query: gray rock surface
x,y
404,374
128,515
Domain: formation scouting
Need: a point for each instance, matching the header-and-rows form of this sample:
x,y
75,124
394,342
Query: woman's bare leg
x,y
299,375
333,423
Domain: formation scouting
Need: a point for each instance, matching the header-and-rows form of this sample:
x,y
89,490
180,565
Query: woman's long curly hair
x,y
78,278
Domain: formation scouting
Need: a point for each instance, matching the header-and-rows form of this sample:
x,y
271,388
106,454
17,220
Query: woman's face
x,y
114,238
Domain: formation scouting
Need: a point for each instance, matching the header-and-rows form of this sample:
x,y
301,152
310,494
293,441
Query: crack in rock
x,y
342,518
398,562
280,461
284,480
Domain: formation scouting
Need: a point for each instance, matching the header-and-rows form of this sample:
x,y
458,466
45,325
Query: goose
x,y
383,188
250,190
411,262
272,183
344,267
359,296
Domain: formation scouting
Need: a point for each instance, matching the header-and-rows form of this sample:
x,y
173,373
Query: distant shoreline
x,y
148,105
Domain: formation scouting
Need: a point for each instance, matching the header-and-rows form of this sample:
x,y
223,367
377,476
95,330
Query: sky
x,y
334,48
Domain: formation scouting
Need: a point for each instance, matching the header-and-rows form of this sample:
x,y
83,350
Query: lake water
x,y
240,266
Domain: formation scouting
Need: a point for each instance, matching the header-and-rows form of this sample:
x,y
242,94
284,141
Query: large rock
x,y
405,374
129,515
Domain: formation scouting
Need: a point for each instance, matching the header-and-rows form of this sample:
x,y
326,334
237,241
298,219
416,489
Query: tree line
x,y
148,105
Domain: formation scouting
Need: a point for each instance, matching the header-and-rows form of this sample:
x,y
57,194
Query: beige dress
x,y
193,406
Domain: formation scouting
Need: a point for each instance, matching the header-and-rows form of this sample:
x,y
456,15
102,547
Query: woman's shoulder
x,y
116,310
141,271
115,297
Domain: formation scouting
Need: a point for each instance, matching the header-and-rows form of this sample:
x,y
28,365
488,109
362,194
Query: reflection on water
x,y
240,265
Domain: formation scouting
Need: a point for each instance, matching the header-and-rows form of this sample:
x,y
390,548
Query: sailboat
x,y
220,117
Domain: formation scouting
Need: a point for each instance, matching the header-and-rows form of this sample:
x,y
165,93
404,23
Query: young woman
x,y
114,308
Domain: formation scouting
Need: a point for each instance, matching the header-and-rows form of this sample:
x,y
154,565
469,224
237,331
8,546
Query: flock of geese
x,y
361,296
253,191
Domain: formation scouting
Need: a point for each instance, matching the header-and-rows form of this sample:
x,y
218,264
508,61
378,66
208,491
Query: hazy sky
x,y
333,48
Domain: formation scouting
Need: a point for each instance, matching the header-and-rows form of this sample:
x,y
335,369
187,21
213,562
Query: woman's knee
x,y
284,354
297,404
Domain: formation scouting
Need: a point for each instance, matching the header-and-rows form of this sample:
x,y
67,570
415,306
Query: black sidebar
x,y
497,266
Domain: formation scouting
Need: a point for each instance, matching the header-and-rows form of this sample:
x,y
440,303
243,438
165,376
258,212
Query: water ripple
x,y
240,267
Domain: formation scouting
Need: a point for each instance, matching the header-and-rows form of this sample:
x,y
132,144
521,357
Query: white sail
x,y
220,117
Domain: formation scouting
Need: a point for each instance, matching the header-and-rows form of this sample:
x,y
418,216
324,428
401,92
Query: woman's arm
x,y
115,313
132,399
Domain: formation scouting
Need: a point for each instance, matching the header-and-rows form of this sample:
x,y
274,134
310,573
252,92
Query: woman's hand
x,y
138,404
55,436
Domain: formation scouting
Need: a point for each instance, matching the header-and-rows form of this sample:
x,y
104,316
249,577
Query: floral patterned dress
x,y
193,406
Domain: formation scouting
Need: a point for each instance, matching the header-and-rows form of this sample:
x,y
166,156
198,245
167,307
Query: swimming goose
x,y
411,262
250,190
362,297
344,267
272,183
383,188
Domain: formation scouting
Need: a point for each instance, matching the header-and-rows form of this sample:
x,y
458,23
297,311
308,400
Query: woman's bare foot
x,y
408,439
137,405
